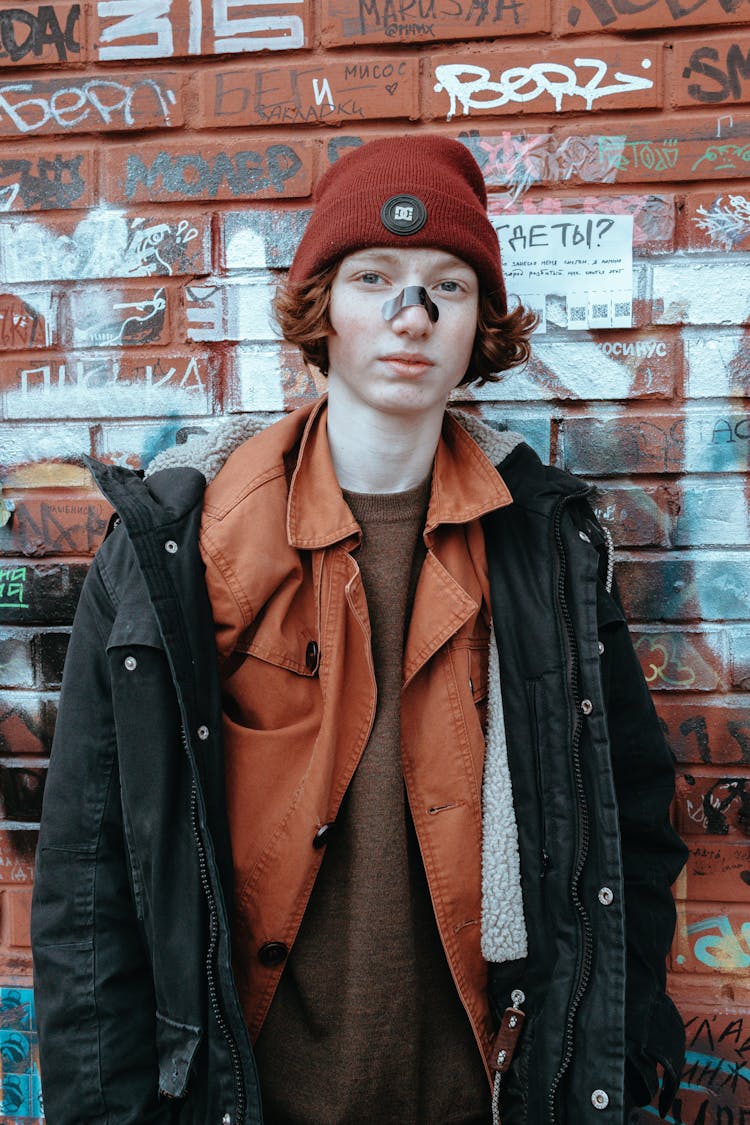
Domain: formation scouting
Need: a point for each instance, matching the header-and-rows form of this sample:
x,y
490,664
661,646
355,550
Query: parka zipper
x,y
239,1084
582,821
544,856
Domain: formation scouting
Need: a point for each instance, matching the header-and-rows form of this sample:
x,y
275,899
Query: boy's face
x,y
408,364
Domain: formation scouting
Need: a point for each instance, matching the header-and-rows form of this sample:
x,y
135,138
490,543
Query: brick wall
x,y
156,165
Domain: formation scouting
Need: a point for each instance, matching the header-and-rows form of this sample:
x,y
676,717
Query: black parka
x,y
139,1019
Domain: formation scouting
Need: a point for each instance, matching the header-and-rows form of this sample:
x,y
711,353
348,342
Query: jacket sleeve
x,y
94,996
652,855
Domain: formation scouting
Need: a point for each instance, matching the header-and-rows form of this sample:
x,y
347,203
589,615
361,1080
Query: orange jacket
x,y
293,637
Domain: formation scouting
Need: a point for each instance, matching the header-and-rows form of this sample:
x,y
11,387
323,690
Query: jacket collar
x,y
465,486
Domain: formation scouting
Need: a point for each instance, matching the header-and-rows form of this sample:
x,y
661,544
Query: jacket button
x,y
226,1119
311,656
272,953
203,733
170,547
605,896
600,1099
582,535
600,646
130,663
587,706
320,839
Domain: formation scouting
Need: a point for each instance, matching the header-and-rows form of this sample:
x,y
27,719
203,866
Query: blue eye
x,y
370,277
449,286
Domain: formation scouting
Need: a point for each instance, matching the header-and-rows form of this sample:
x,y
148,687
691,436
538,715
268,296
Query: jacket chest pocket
x,y
270,684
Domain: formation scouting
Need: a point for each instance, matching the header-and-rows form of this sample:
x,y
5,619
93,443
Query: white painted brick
x,y
237,308
28,318
90,387
261,238
704,292
713,514
717,364
258,378
21,444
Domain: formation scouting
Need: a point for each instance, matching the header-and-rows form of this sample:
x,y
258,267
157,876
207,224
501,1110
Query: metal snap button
x,y
170,547
606,896
587,706
272,953
130,663
600,1099
517,997
203,733
226,1119
584,536
600,646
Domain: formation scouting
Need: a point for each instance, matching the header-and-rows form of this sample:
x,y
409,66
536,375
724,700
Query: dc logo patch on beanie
x,y
403,214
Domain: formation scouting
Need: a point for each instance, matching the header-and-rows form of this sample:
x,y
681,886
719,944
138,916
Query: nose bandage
x,y
411,295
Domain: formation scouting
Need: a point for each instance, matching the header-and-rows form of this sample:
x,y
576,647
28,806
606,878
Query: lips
x,y
408,363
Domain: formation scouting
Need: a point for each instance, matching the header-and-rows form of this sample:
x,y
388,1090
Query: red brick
x,y
328,93
17,850
27,320
709,441
715,73
46,179
41,35
470,83
146,381
240,168
624,151
132,316
55,523
653,215
681,660
18,905
716,872
714,1088
713,803
620,15
91,104
350,22
180,28
712,731
712,937
717,222
637,517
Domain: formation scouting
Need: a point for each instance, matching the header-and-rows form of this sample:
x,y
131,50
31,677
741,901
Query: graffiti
x,y
25,33
58,528
721,949
608,12
728,80
299,94
21,325
712,737
654,156
364,20
641,349
725,157
729,794
39,182
662,664
13,588
106,101
106,243
143,28
231,312
728,225
466,85
20,1084
245,173
93,374
141,321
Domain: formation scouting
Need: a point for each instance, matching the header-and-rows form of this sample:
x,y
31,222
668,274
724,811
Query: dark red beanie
x,y
419,190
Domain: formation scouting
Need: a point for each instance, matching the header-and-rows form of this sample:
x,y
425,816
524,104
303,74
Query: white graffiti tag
x,y
725,223
471,87
69,106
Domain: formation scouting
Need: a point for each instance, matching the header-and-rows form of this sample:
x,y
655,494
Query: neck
x,y
377,452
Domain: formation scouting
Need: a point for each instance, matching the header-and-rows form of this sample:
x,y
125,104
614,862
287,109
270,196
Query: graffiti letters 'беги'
x,y
472,88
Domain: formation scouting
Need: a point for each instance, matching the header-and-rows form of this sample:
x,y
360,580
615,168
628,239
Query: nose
x,y
413,321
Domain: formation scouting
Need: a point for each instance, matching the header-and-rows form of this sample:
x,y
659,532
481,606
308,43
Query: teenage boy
x,y
354,758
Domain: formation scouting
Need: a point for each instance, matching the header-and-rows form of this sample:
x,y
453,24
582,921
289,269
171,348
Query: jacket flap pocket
x,y
176,1044
134,627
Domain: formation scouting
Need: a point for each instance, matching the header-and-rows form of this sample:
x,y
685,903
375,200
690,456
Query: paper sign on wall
x,y
587,259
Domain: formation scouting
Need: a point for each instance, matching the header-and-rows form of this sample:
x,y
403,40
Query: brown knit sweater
x,y
366,1025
